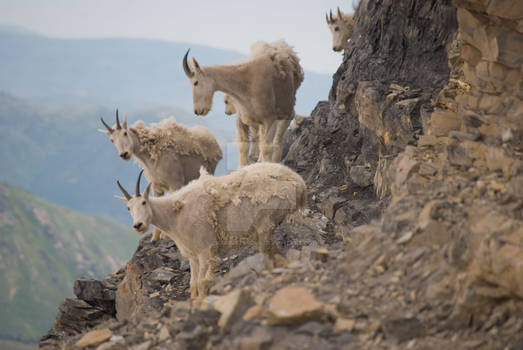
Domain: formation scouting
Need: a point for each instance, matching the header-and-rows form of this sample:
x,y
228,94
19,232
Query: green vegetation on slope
x,y
43,249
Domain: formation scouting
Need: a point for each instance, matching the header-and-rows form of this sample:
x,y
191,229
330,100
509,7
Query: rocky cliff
x,y
414,237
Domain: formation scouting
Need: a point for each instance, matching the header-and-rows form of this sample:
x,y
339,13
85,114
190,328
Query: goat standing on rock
x,y
264,90
170,154
341,28
215,214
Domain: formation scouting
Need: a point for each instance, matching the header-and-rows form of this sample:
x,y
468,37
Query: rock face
x,y
394,65
93,306
154,267
414,233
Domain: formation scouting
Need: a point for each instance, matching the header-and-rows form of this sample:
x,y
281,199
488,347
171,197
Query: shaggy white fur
x,y
215,214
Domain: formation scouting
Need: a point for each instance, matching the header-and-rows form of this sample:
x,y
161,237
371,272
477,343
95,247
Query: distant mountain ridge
x,y
129,73
43,249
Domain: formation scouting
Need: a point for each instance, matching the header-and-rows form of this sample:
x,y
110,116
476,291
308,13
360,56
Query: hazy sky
x,y
229,24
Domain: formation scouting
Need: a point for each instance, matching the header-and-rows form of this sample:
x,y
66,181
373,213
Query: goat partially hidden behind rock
x,y
341,27
247,135
216,214
171,154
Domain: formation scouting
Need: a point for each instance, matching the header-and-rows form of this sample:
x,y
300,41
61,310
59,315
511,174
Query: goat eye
x,y
125,133
336,29
143,203
195,83
226,102
112,141
128,209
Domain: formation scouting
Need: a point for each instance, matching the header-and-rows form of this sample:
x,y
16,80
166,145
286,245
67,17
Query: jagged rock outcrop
x,y
427,112
94,304
394,65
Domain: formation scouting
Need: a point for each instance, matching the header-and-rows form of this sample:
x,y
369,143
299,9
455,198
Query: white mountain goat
x,y
263,87
341,27
215,214
171,154
247,135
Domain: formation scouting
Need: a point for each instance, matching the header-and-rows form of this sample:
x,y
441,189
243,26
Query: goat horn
x,y
118,126
106,126
147,191
127,195
339,13
186,68
330,16
327,18
138,184
125,121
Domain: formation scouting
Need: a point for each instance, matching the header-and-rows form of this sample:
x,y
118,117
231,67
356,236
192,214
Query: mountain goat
x,y
341,28
263,87
171,154
215,214
247,135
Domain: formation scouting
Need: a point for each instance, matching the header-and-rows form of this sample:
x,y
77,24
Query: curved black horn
x,y
339,13
330,16
186,68
327,18
138,184
127,195
106,126
118,126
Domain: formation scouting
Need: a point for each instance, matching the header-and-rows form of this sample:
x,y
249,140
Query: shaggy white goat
x,y
170,154
263,87
341,27
247,135
215,214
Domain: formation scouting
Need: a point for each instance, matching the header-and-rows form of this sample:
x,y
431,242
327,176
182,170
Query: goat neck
x,y
232,80
162,213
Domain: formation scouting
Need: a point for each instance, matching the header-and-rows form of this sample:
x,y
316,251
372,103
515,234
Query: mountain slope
x,y
43,249
130,73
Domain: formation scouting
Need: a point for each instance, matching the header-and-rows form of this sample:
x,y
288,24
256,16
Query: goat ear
x,y
121,198
124,121
147,190
196,65
103,131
